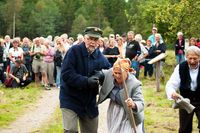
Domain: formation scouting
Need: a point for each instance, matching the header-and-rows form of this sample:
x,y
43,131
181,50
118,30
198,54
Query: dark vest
x,y
185,88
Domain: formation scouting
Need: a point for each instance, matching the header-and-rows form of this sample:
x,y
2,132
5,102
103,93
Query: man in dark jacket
x,y
78,85
133,50
186,80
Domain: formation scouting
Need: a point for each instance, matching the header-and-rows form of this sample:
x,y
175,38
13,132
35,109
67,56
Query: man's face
x,y
130,37
91,43
154,31
193,60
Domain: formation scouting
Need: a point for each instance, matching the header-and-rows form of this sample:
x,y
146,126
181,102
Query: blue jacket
x,y
77,66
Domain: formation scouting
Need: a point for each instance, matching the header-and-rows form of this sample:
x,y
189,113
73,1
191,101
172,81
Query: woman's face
x,y
118,75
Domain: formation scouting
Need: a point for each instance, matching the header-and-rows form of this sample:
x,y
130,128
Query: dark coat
x,y
179,46
77,66
162,47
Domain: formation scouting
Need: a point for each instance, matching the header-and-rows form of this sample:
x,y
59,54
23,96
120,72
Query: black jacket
x,y
179,46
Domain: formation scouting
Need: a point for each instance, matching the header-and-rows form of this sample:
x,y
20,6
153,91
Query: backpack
x,y
58,58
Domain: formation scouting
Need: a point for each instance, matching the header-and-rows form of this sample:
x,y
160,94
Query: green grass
x,y
13,102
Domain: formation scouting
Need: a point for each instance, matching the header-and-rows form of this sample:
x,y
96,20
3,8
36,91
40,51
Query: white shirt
x,y
16,53
174,82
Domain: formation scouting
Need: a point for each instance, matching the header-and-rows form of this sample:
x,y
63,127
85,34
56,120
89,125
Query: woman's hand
x,y
130,103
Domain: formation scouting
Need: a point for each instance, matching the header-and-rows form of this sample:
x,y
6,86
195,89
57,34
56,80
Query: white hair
x,y
157,35
179,34
138,37
193,49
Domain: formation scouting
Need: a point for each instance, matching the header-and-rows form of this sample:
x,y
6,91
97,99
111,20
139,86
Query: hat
x,y
154,28
93,32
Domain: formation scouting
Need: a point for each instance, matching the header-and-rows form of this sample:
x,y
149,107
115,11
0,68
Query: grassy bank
x,y
13,102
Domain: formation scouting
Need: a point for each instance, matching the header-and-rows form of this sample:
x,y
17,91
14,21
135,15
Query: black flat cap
x,y
93,32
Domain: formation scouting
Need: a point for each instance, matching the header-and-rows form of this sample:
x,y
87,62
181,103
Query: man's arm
x,y
173,84
69,74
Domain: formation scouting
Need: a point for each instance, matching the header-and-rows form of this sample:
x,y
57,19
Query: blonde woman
x,y
58,58
118,116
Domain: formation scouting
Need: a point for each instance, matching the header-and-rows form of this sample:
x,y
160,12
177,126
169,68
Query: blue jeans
x,y
135,66
180,58
58,74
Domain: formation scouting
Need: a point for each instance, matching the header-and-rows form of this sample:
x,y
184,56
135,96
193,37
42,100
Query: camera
x,y
37,56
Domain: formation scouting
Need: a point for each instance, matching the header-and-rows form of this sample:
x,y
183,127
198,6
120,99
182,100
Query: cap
x,y
93,32
154,28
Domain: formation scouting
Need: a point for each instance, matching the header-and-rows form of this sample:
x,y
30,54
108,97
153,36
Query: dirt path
x,y
37,114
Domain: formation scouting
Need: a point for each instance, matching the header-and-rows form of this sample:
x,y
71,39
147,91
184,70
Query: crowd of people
x,y
76,68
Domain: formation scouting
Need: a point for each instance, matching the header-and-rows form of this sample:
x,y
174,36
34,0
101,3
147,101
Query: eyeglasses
x,y
93,39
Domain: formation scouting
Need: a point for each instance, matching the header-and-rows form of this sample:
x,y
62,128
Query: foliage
x,y
43,17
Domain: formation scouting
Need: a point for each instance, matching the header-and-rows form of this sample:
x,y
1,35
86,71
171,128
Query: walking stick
x,y
132,119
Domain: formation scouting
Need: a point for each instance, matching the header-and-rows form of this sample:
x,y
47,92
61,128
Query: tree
x,y
43,18
11,14
181,16
115,12
78,25
107,31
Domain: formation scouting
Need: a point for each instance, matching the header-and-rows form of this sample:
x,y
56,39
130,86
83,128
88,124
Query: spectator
x,y
153,38
1,61
144,52
19,73
78,87
27,57
192,42
186,80
101,46
133,50
198,43
148,68
58,59
159,48
37,51
179,48
79,40
49,62
15,52
111,52
121,48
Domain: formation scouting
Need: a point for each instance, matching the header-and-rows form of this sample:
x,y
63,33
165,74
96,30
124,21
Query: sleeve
x,y
173,83
138,99
68,72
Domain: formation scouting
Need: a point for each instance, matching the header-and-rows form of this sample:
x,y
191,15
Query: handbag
x,y
8,82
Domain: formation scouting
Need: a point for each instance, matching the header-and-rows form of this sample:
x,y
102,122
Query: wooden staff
x,y
132,119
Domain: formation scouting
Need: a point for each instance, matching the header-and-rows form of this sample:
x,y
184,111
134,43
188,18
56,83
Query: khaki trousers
x,y
71,119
